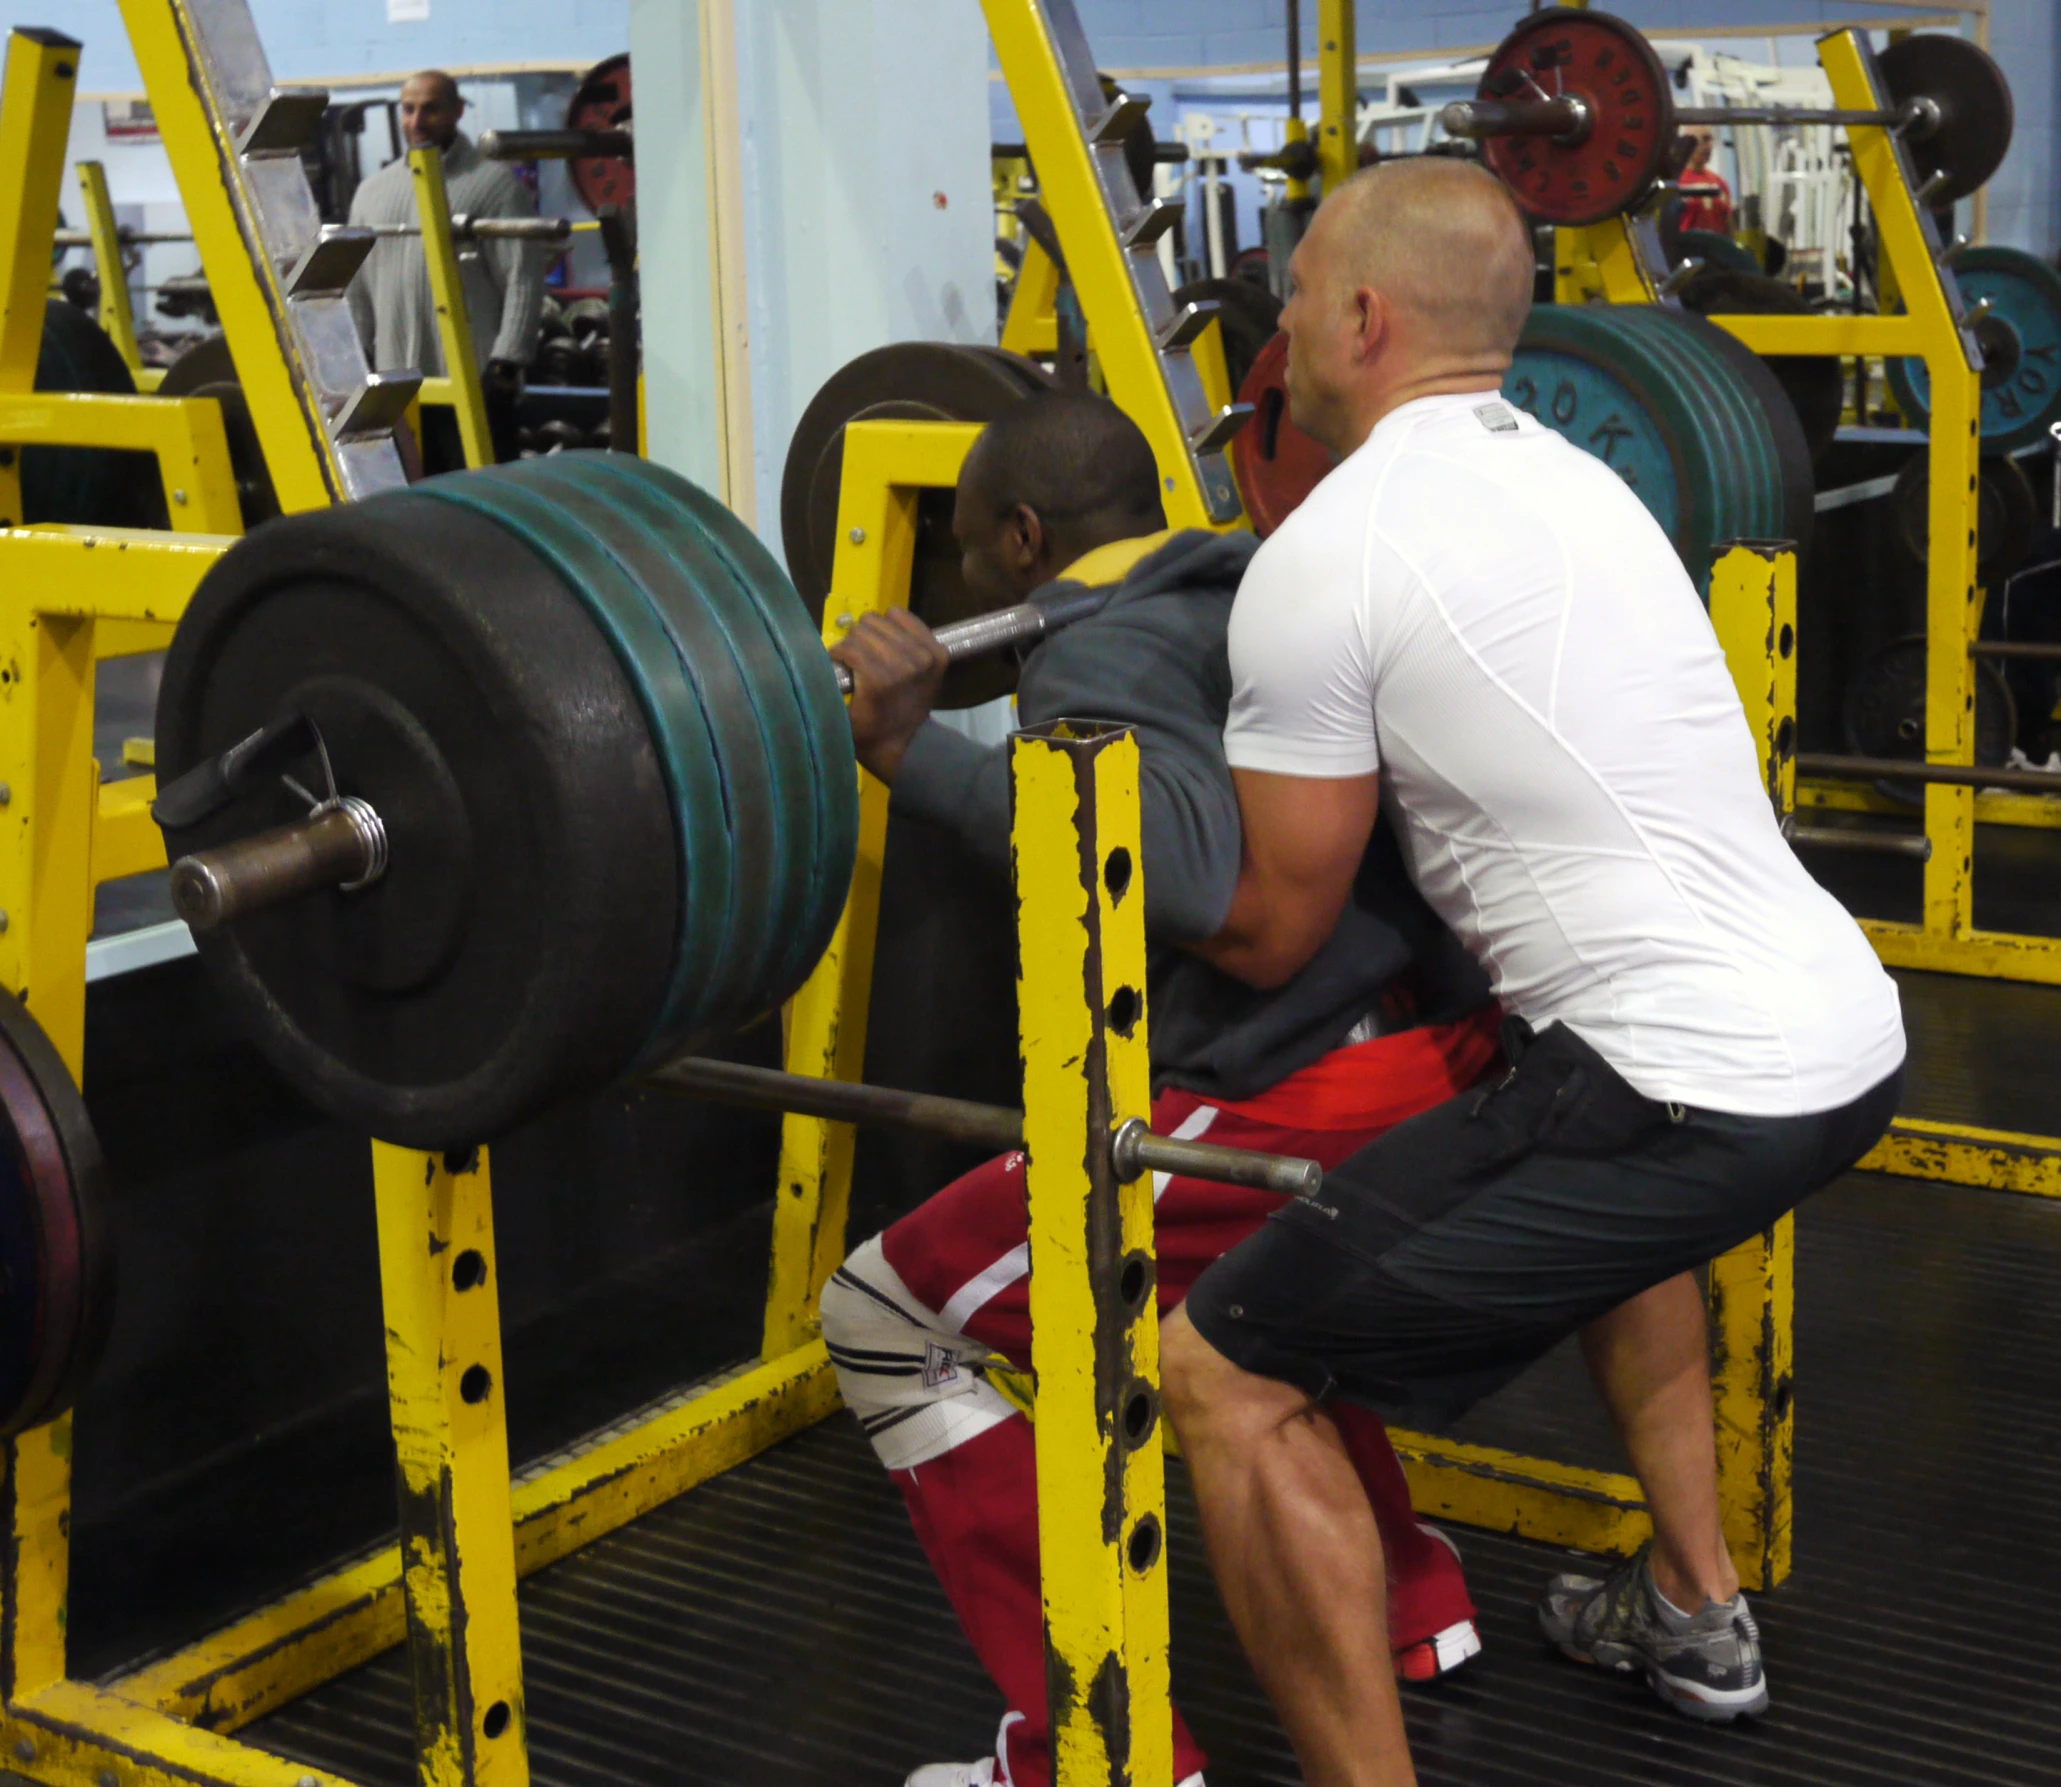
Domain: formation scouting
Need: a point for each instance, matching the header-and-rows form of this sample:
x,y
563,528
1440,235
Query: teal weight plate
x,y
826,730
665,684
1729,429
2024,293
1596,410
812,884
690,601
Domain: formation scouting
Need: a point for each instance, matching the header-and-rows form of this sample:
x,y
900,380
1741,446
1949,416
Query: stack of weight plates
x,y
1688,417
612,760
2021,348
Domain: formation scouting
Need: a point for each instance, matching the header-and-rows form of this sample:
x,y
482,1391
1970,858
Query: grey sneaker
x,y
1706,1664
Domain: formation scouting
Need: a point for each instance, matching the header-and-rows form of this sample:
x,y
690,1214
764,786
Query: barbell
x,y
495,790
1578,117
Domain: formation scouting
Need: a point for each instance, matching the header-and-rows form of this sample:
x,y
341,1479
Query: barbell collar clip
x,y
342,844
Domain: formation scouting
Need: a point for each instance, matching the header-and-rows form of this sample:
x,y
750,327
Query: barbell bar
x,y
1958,775
557,145
1571,119
1133,1148
1838,837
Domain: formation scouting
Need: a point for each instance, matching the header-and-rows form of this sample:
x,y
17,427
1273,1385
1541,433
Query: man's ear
x,y
1023,537
1372,320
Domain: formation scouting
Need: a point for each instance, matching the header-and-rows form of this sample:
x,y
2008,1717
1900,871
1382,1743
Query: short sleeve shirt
x,y
1489,618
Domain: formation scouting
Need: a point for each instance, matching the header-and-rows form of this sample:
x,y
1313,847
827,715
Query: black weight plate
x,y
519,945
1814,382
1975,112
762,768
672,687
86,486
914,381
1799,489
56,1264
206,370
823,725
1884,711
2006,515
1248,317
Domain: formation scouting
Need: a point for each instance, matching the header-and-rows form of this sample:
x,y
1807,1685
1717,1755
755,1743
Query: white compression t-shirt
x,y
1490,617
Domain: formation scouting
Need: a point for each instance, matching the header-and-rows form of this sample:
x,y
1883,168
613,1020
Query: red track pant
x,y
912,1314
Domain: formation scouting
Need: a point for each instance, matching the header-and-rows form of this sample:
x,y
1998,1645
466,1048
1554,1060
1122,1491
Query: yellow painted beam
x,y
454,321
1601,1512
447,1393
37,92
2040,812
1338,94
117,315
1960,1154
1892,336
1094,1318
1994,955
1031,326
75,1735
120,574
885,465
185,433
126,840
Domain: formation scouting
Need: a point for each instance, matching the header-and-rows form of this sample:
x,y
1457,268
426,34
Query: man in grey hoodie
x,y
1387,1020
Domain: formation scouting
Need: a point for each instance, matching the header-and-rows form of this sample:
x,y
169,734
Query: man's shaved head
x,y
1415,277
1444,239
430,108
1050,479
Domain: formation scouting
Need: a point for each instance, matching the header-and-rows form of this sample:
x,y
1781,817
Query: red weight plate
x,y
1561,53
603,103
1276,464
57,1281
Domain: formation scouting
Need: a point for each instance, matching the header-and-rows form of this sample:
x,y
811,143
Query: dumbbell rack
x,y
1607,262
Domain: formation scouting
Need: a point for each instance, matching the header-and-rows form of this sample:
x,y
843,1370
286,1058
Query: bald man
x,y
1387,1019
503,281
1479,629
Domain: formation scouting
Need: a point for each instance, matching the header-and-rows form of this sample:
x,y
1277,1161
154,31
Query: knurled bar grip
x,y
1024,624
1134,1149
340,846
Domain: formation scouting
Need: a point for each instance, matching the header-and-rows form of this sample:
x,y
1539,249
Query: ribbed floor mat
x,y
778,1628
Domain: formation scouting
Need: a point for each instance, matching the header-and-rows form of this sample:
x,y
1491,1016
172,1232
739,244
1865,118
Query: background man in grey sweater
x,y
1388,1019
503,281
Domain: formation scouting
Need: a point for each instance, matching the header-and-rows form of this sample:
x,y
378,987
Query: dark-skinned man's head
x,y
430,105
1051,479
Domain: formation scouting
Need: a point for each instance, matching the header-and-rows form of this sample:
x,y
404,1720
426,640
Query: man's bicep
x,y
1307,832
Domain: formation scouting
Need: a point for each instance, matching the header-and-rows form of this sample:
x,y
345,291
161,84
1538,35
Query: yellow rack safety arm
x,y
117,315
454,322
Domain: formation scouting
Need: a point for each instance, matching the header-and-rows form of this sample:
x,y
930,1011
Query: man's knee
x,y
1198,1383
916,1386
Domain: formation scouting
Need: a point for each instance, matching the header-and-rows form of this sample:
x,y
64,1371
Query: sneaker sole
x,y
1440,1654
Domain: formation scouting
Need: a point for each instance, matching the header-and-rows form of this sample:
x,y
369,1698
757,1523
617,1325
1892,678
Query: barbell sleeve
x,y
340,845
1024,624
555,145
1565,120
1134,1149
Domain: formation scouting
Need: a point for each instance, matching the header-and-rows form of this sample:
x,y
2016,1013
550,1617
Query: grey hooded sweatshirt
x,y
1155,659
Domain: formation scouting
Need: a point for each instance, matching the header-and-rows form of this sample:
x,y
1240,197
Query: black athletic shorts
x,y
1443,1258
